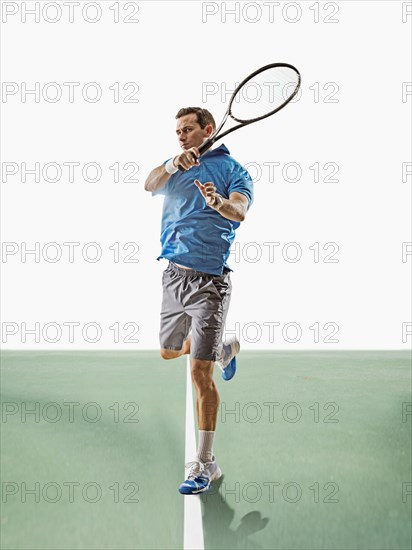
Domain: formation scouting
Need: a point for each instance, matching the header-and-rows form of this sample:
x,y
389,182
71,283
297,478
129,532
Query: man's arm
x,y
159,176
156,179
234,208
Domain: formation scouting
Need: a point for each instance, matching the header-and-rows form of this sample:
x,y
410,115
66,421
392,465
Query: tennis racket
x,y
260,95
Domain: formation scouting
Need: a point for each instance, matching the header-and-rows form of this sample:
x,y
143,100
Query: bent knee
x,y
202,372
170,353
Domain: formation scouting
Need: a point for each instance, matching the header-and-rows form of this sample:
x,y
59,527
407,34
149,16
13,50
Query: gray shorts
x,y
197,301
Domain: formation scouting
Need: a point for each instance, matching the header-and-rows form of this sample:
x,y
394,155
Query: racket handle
x,y
206,145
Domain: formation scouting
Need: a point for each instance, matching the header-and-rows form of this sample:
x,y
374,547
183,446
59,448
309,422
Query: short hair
x,y
203,116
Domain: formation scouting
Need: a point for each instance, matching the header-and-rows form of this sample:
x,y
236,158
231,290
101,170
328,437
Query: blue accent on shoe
x,y
195,486
200,476
229,372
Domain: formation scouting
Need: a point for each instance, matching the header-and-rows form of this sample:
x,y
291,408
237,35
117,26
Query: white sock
x,y
205,450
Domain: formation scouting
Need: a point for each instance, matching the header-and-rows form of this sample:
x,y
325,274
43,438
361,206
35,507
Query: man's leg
x,y
207,308
207,396
175,323
173,354
204,469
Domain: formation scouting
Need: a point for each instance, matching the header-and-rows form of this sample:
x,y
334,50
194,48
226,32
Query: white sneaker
x,y
200,476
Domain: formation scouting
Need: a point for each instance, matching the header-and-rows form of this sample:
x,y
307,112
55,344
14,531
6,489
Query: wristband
x,y
170,167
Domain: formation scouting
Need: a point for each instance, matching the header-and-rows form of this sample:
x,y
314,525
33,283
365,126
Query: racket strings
x,y
264,93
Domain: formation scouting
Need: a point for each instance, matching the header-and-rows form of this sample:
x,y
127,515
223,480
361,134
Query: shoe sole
x,y
232,364
233,360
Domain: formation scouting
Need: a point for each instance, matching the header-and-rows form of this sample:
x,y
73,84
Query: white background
x,y
351,112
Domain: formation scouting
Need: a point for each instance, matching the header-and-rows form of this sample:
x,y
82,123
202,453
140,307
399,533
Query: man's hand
x,y
234,208
188,158
208,191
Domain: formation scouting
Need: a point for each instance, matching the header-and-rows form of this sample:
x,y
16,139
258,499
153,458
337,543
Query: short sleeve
x,y
241,182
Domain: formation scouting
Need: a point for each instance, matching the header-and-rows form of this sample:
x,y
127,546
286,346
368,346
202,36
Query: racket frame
x,y
215,136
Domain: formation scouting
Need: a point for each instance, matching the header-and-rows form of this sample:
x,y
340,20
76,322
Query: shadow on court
x,y
218,517
316,450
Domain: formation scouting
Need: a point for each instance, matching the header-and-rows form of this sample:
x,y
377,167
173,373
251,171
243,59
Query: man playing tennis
x,y
203,206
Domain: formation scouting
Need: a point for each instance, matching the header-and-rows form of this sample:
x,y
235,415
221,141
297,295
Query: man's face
x,y
189,132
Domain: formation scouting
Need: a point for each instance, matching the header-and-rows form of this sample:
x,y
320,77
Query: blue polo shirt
x,y
193,234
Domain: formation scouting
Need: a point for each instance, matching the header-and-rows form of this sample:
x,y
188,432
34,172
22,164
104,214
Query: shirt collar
x,y
221,150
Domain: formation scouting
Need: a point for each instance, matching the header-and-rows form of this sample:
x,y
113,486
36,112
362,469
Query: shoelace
x,y
196,469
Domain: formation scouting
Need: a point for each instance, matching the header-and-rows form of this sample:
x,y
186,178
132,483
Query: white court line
x,y
193,525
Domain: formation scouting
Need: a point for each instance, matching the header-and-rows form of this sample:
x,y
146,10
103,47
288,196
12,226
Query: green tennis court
x,y
315,448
